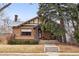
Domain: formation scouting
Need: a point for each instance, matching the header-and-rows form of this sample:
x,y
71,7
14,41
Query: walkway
x,y
48,42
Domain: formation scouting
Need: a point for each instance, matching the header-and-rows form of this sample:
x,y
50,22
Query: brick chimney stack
x,y
16,18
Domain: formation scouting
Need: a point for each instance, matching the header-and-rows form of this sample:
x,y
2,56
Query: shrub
x,y
21,41
33,42
76,34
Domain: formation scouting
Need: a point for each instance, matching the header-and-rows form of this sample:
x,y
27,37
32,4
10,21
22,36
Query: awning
x,y
26,30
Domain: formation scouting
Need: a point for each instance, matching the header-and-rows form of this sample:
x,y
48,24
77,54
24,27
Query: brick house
x,y
27,30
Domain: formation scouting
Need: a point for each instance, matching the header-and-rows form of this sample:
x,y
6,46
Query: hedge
x,y
22,41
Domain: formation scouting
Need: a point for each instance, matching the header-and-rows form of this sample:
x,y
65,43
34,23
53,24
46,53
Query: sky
x,y
25,11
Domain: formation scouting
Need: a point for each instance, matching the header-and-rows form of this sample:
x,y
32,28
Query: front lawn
x,y
21,48
64,48
36,48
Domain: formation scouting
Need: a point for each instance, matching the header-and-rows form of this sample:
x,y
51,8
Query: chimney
x,y
16,18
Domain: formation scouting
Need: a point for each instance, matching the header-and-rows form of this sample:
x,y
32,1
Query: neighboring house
x,y
27,30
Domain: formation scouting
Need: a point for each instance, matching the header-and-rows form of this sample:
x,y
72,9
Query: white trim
x,y
26,30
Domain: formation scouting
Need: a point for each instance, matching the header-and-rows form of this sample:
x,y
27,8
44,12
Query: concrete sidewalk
x,y
28,54
39,54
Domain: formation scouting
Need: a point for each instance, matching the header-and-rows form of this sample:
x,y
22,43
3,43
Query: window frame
x,y
26,32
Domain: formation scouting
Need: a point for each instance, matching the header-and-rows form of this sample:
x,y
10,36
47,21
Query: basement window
x,y
26,32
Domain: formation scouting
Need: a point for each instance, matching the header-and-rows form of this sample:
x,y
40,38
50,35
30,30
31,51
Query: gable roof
x,y
19,23
29,20
13,23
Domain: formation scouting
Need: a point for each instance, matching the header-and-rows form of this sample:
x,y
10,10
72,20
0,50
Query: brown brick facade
x,y
31,24
17,32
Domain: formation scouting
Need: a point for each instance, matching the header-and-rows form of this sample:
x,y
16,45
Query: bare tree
x,y
3,18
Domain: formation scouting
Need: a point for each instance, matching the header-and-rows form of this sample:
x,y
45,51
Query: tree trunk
x,y
62,25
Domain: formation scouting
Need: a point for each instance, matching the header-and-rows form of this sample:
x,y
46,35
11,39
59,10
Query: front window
x,y
26,32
